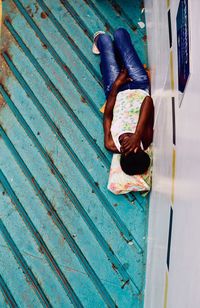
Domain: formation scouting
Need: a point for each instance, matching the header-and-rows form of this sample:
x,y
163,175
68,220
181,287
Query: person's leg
x,y
130,59
109,67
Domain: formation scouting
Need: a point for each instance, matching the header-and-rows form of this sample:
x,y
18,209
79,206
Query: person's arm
x,y
144,125
108,113
107,120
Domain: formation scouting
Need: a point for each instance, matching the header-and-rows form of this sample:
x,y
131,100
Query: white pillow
x,y
122,183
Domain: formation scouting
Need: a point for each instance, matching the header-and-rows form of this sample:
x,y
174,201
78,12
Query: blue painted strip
x,y
7,293
27,271
107,249
134,10
72,43
81,23
59,61
108,206
57,94
121,12
40,242
102,17
58,222
169,237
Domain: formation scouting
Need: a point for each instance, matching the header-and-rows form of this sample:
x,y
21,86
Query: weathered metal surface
x,y
65,240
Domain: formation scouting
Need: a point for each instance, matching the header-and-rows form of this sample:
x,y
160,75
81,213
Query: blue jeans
x,y
118,53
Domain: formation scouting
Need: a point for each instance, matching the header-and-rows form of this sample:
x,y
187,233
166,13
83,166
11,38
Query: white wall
x,y
184,271
158,49
184,279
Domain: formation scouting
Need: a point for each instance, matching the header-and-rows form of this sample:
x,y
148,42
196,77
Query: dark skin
x,y
130,142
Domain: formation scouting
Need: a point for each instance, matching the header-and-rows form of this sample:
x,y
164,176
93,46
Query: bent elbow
x,y
107,146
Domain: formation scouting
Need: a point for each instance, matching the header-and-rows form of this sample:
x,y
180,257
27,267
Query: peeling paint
x,y
32,9
5,73
44,15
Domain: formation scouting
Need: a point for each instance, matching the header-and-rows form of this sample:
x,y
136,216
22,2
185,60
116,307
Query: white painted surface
x,y
184,278
184,274
158,48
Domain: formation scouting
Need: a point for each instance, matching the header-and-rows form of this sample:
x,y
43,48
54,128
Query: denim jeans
x,y
118,53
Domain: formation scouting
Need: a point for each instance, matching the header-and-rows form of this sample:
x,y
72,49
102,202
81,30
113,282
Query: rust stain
x,y
62,241
36,8
52,164
6,38
44,15
122,234
97,184
44,45
51,159
71,39
5,73
107,26
30,10
110,248
51,212
142,5
41,249
67,70
114,267
86,31
117,8
59,132
144,38
83,100
134,28
52,171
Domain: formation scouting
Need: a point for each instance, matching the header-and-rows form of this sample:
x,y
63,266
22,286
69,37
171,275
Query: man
x,y
129,110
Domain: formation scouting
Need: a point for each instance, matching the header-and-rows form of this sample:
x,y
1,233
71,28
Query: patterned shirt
x,y
126,113
125,118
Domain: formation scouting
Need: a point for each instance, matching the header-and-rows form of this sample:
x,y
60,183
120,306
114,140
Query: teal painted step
x,y
65,239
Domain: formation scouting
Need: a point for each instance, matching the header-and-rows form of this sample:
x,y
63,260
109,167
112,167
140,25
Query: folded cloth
x,y
122,183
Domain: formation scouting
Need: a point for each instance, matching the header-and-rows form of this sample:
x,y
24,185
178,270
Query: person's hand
x,y
110,145
130,144
122,78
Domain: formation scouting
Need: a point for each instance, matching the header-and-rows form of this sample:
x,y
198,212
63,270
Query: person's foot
x,y
95,49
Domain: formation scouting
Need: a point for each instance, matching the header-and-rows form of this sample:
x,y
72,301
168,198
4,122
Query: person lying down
x,y
129,112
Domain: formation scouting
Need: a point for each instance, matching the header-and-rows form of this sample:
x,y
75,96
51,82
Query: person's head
x,y
135,163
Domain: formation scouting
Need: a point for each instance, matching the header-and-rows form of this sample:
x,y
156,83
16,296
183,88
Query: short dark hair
x,y
135,163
